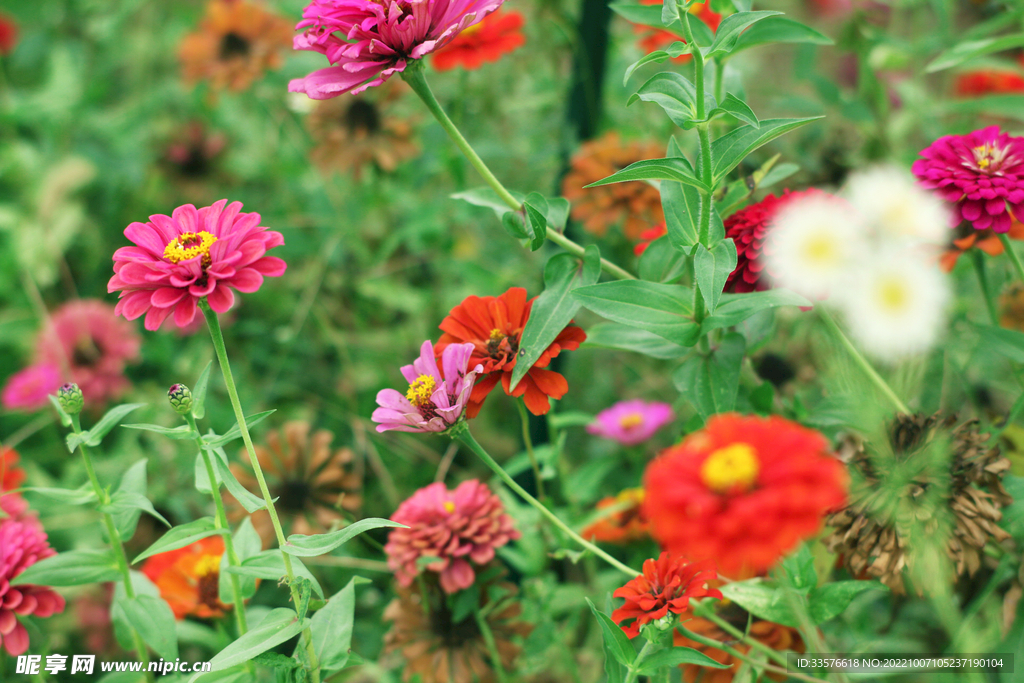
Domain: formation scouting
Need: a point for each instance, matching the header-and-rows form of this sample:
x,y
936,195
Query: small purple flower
x,y
631,422
980,173
434,402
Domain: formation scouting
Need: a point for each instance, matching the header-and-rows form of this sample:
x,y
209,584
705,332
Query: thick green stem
x,y
115,540
415,77
719,645
977,260
862,362
528,442
705,611
221,522
468,439
634,670
229,382
1008,246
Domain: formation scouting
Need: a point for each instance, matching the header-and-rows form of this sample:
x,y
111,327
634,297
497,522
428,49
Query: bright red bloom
x,y
667,585
652,39
8,34
743,491
648,236
494,325
494,37
11,477
748,229
988,82
189,578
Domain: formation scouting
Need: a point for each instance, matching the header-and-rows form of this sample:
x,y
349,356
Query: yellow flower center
x,y
496,335
420,390
207,565
449,506
189,245
820,249
631,421
730,468
988,157
892,294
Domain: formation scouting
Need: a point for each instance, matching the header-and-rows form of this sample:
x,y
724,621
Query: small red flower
x,y
988,82
488,41
494,325
648,236
11,477
667,585
8,34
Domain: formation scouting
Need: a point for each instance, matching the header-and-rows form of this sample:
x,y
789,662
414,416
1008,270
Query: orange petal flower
x,y
625,523
189,578
494,37
665,587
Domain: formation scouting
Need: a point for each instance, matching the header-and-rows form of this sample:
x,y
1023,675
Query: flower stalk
x,y
1008,246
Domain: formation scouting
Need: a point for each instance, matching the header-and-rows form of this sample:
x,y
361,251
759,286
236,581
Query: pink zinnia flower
x,y
367,41
631,422
22,544
457,527
88,338
980,173
189,255
27,390
434,402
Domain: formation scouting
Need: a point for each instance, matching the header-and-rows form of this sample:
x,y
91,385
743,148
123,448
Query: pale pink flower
x,y
631,422
88,338
434,402
22,544
192,254
460,528
368,41
27,389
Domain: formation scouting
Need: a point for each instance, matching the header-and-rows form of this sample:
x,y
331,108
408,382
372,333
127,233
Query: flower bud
x,y
180,397
70,398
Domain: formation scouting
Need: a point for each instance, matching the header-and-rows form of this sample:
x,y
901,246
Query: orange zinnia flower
x,y
665,587
626,521
495,36
494,325
986,240
652,39
189,578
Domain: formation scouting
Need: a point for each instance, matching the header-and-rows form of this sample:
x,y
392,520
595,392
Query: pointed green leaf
x,y
733,309
277,627
65,419
662,262
678,656
762,600
247,544
153,619
730,29
72,568
675,94
832,599
730,149
488,199
179,432
199,393
181,536
779,30
669,12
124,505
625,338
712,269
615,640
300,545
79,496
972,49
681,206
737,108
110,420
249,501
235,432
678,170
711,383
665,310
535,209
331,627
269,564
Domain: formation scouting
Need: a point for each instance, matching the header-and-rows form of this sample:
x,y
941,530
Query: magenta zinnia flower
x,y
189,255
27,390
457,527
631,422
367,41
22,544
434,402
980,173
86,337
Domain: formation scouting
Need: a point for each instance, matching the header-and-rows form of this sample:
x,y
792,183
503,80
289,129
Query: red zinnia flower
x,y
189,578
494,326
978,83
495,36
652,39
743,491
667,585
648,236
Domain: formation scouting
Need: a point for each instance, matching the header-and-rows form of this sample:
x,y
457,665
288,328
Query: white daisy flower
x,y
896,208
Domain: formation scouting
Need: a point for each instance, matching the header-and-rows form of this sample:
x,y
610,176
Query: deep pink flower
x,y
368,41
27,390
434,402
86,337
457,527
191,254
631,422
22,544
981,173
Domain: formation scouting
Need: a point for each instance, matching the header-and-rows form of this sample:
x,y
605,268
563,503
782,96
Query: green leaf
x,y
179,432
832,599
331,627
737,108
72,568
615,336
732,26
79,496
676,95
761,600
711,382
199,393
678,170
1008,106
181,536
681,206
799,568
247,544
735,308
555,307
779,30
65,419
669,12
677,656
615,640
153,619
269,565
277,627
712,269
730,149
124,505
487,198
110,420
972,49
661,262
236,432
300,545
658,56
1004,341
665,310
248,500
130,491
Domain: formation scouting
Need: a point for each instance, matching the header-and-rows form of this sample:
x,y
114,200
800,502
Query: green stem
x,y
492,647
115,540
1008,246
468,439
525,419
719,645
415,77
862,362
704,611
221,522
986,290
225,367
634,669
